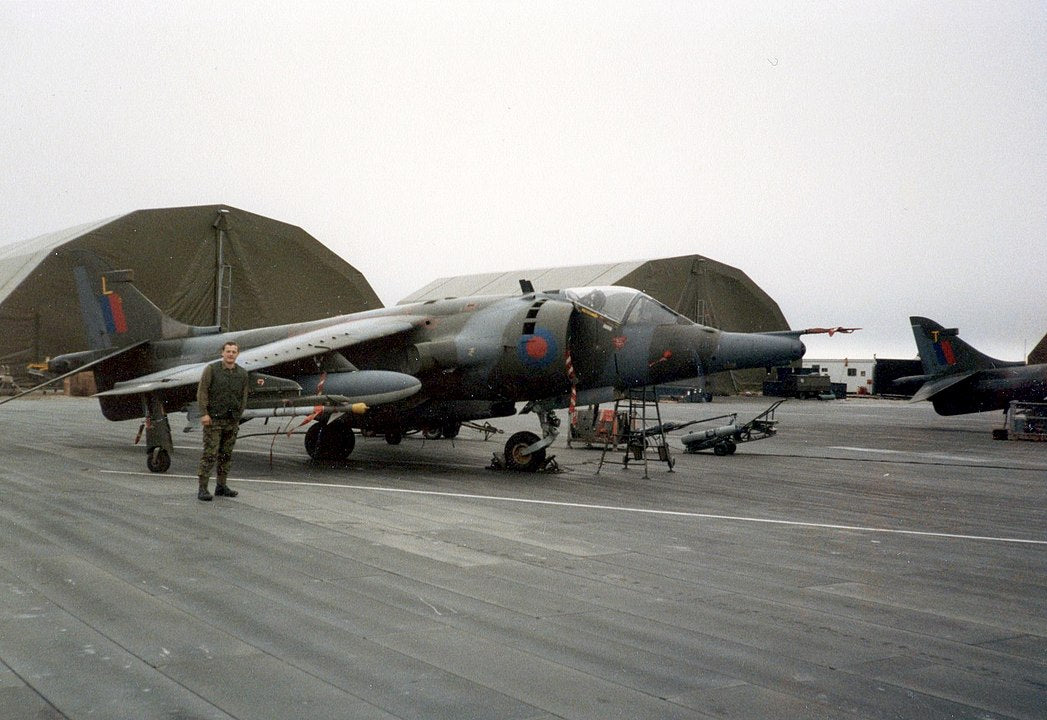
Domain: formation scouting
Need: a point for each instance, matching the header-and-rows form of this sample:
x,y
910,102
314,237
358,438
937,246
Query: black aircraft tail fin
x,y
116,314
942,351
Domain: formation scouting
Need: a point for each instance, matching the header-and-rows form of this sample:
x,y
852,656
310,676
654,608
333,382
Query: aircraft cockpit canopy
x,y
625,305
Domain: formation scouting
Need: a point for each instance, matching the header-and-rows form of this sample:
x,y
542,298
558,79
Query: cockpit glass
x,y
625,305
647,311
609,300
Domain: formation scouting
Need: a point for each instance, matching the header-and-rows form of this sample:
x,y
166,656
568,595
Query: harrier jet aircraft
x,y
430,365
958,379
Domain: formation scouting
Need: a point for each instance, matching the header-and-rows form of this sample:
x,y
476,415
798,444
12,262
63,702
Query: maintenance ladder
x,y
644,436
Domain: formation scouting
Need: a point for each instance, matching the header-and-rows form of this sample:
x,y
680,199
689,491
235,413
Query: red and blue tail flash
x,y
944,352
113,313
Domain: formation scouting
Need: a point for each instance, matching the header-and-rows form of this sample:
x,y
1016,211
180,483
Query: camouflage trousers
x,y
219,439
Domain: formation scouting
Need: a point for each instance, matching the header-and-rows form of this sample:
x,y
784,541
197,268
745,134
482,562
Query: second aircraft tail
x,y
942,351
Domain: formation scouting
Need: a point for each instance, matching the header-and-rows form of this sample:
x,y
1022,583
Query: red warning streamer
x,y
574,384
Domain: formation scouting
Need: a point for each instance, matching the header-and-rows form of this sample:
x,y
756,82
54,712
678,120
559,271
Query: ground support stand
x,y
645,437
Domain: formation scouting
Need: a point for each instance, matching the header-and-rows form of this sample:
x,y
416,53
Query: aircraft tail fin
x,y
116,314
942,351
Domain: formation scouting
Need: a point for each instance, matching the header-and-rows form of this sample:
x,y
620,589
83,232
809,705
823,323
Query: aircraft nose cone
x,y
753,350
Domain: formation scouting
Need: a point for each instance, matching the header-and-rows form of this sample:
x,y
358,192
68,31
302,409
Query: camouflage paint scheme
x,y
399,369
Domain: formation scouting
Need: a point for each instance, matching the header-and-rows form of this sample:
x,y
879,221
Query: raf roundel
x,y
537,350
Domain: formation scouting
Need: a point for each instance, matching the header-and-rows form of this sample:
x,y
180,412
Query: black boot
x,y
202,494
224,490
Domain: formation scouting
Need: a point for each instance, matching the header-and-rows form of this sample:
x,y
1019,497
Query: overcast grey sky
x,y
861,161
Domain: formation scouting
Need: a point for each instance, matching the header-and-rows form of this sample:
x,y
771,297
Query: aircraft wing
x,y
74,371
296,347
317,342
932,387
165,379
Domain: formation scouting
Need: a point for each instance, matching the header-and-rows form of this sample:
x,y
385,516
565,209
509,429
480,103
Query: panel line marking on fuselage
x,y
614,508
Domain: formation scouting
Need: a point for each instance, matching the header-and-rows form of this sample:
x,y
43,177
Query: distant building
x,y
857,375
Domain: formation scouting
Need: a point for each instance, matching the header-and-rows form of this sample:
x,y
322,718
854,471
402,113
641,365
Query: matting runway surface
x,y
873,560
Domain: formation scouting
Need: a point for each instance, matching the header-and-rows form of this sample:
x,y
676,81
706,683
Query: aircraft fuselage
x,y
993,390
476,357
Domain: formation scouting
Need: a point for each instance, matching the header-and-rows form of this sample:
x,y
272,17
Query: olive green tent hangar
x,y
203,265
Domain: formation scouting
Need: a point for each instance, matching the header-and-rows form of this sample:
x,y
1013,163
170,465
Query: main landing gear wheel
x,y
312,439
158,460
330,441
517,459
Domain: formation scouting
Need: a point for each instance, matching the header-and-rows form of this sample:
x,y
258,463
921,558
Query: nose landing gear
x,y
525,451
519,457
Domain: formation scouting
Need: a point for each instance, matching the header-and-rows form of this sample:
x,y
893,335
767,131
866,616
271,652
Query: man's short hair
x,y
231,342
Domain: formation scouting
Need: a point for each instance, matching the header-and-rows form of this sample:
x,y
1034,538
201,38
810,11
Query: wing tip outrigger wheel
x,y
159,444
158,460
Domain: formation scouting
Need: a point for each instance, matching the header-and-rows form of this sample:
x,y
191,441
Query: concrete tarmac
x,y
873,560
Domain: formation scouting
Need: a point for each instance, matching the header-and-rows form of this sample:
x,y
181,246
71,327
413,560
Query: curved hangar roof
x,y
279,274
703,290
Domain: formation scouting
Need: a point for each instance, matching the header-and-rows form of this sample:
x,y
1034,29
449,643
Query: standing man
x,y
222,396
